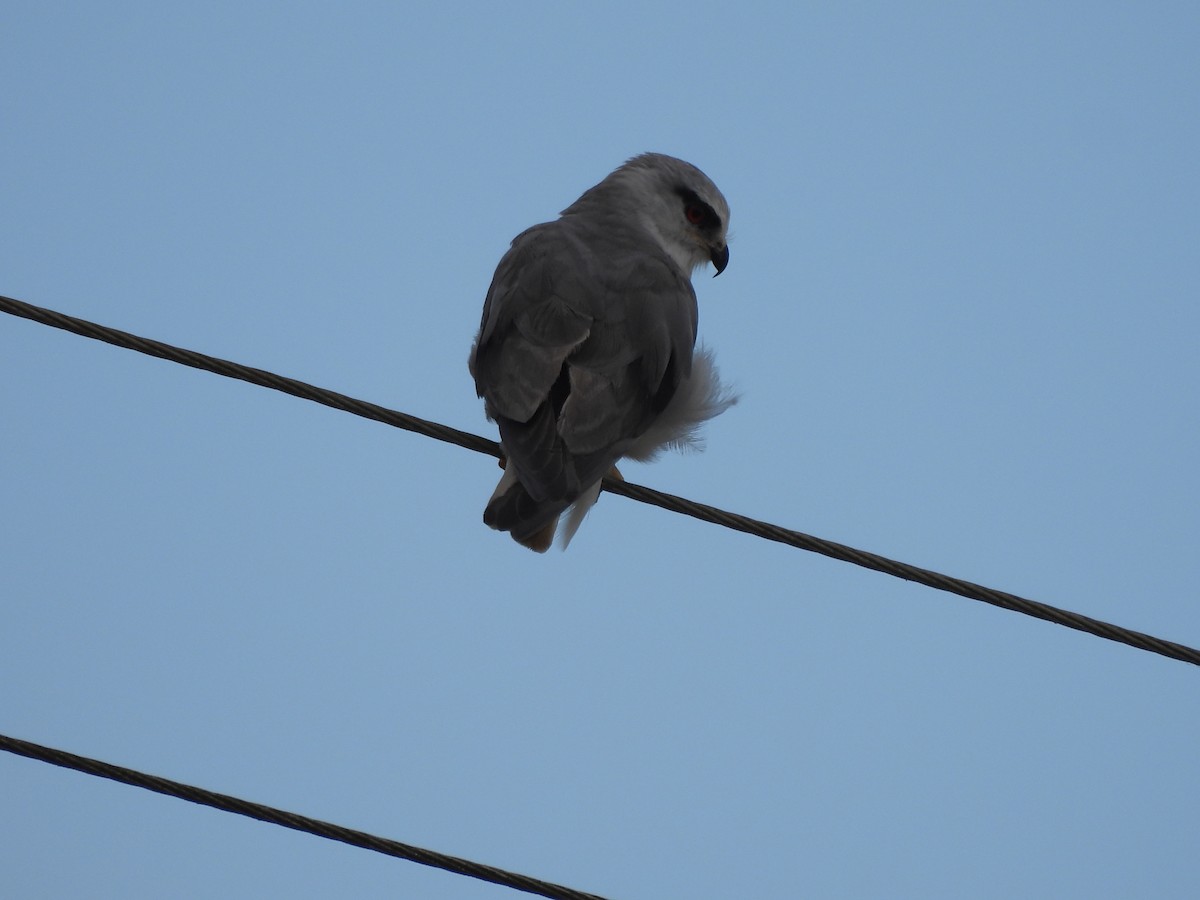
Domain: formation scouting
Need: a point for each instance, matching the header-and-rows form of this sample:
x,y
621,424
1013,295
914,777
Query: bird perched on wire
x,y
587,349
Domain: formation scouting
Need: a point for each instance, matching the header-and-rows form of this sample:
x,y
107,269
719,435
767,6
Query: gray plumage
x,y
585,353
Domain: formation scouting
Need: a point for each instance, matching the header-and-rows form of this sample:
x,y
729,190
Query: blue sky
x,y
962,313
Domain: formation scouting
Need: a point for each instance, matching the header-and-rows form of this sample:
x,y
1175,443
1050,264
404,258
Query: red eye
x,y
694,213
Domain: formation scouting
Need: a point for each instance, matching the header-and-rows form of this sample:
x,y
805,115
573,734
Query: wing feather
x,y
577,353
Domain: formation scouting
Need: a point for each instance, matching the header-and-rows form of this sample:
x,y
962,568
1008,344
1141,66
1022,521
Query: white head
x,y
671,199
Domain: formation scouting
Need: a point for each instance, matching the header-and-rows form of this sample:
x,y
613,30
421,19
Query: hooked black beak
x,y
720,258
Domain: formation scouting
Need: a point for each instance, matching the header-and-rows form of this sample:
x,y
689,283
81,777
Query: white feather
x,y
576,513
698,399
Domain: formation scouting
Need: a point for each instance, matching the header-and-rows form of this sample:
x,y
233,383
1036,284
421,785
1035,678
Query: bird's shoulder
x,y
601,270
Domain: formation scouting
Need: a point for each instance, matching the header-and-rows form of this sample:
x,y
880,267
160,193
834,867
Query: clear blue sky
x,y
962,310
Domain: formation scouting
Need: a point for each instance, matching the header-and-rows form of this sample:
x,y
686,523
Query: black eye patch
x,y
698,212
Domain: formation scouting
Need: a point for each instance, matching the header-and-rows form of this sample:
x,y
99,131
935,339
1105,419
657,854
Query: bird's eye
x,y
694,213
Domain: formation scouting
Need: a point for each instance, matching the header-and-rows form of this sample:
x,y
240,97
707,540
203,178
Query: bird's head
x,y
676,203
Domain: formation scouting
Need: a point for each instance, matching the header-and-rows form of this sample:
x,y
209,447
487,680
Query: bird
x,y
587,348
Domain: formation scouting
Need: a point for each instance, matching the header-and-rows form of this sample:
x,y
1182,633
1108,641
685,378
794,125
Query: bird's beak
x,y
720,258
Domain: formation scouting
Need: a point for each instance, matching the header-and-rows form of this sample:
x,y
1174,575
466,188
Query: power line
x,y
291,820
260,377
670,502
908,572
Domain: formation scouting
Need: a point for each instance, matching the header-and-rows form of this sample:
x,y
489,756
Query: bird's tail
x,y
511,508
511,503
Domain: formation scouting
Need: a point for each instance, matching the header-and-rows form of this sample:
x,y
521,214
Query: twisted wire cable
x,y
670,502
295,821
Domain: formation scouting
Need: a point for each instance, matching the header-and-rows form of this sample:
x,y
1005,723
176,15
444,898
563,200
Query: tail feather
x,y
539,541
512,509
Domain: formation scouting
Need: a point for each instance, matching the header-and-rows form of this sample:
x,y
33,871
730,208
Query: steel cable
x,y
670,502
291,820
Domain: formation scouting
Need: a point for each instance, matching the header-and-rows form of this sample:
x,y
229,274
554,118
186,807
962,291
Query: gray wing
x,y
584,340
